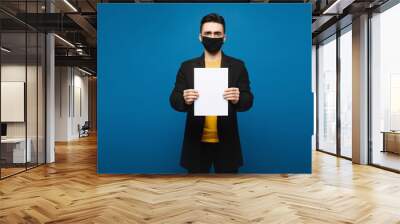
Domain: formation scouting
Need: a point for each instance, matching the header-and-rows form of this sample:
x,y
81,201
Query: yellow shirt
x,y
210,132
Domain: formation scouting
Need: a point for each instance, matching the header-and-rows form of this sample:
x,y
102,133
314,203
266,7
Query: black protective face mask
x,y
212,45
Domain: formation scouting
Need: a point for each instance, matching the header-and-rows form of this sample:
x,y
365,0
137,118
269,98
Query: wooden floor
x,y
5,172
70,191
387,159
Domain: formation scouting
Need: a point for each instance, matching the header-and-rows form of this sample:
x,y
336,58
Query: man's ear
x,y
224,38
200,39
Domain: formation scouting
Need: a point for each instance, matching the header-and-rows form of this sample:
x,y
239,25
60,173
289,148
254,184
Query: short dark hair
x,y
212,17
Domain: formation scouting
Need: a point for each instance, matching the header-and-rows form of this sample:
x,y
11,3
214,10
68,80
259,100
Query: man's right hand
x,y
190,95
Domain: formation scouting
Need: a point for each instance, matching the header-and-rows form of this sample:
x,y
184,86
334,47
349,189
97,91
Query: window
x,y
346,92
327,95
385,88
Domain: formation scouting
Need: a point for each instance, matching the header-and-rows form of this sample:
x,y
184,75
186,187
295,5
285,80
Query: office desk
x,y
13,150
391,141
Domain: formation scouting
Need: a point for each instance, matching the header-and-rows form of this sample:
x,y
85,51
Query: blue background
x,y
141,47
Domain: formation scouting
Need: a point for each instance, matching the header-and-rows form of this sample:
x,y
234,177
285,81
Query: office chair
x,y
84,130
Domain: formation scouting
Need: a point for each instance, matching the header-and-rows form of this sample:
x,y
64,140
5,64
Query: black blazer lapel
x,y
225,64
200,63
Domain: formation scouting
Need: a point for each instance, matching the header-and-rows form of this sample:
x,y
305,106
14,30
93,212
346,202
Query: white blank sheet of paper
x,y
211,84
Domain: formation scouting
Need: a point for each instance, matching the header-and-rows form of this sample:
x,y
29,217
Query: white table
x,y
19,152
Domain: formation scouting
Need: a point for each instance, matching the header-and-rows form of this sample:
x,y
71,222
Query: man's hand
x,y
232,94
190,95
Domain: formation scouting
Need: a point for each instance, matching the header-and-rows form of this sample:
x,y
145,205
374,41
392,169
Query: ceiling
x,y
76,22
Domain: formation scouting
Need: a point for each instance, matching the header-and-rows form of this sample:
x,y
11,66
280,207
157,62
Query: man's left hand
x,y
232,94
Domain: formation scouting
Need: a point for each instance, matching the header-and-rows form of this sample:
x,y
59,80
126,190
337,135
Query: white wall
x,y
9,73
80,103
71,92
62,82
16,72
33,127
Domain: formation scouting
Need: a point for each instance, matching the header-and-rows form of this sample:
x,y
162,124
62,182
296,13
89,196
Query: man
x,y
212,140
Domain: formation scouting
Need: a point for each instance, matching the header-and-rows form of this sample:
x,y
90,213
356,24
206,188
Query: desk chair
x,y
84,130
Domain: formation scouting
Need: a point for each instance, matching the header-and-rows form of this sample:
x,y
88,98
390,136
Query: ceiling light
x,y
70,5
65,41
5,50
84,71
333,8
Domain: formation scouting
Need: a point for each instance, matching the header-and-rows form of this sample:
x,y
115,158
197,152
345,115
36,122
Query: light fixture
x,y
79,51
70,5
64,40
332,9
5,50
84,71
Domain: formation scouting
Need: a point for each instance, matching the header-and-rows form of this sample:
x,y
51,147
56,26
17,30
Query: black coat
x,y
227,126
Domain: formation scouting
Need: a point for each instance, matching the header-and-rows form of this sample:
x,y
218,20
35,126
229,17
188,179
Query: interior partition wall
x,y
22,89
334,94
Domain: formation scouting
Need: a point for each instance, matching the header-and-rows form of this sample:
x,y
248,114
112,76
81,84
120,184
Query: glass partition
x,y
15,150
31,100
22,77
41,97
